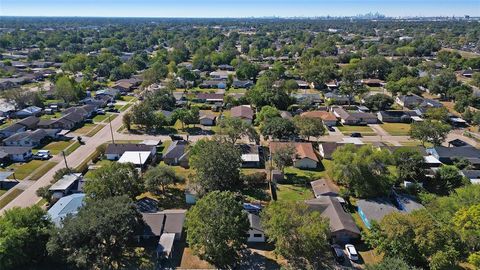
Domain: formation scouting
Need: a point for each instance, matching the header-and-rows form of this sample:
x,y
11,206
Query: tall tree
x,y
430,131
99,236
278,128
409,162
283,157
216,164
159,177
216,228
235,129
24,233
300,235
309,126
66,90
114,179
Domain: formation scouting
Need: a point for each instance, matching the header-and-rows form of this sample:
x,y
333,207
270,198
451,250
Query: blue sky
x,y
236,8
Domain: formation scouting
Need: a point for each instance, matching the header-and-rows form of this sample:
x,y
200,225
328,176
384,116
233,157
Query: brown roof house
x,y
305,157
342,226
244,112
327,117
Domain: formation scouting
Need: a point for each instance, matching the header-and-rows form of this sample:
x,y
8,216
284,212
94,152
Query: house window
x,y
257,235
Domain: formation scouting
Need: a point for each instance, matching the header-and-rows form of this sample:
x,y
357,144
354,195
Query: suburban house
x,y
27,138
68,184
342,226
409,101
305,98
327,117
138,158
87,111
163,228
16,153
305,156
255,233
109,93
448,155
250,155
377,208
221,74
207,119
472,175
396,116
244,112
354,117
68,205
126,85
324,187
373,82
337,99
12,129
209,98
67,122
177,154
220,84
115,151
29,111
242,84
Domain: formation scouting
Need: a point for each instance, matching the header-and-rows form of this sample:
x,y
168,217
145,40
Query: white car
x,y
351,252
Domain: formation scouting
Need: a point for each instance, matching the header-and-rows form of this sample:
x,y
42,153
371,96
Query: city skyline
x,y
237,9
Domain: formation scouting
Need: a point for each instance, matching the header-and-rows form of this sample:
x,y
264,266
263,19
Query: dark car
x,y
175,137
338,253
330,128
356,135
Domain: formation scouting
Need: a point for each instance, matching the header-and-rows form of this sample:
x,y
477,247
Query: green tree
x,y
216,164
267,112
363,170
266,93
99,236
144,116
216,228
430,131
309,126
159,177
300,235
278,128
283,156
319,71
467,223
24,233
114,179
438,114
235,128
378,102
446,180
127,120
409,162
443,82
66,90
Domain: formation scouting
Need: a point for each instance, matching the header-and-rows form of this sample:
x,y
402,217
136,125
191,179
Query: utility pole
x,y
111,130
65,159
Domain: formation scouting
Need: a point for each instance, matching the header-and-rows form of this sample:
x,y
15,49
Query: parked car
x,y
100,111
330,128
175,137
338,253
42,155
356,135
351,252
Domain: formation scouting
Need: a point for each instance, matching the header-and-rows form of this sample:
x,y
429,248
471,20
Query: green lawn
x,y
364,130
397,129
22,170
72,148
100,117
50,116
57,147
295,192
129,98
8,198
42,170
94,130
2,191
295,175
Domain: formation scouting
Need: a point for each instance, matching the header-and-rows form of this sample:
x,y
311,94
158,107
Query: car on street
x,y
356,135
351,252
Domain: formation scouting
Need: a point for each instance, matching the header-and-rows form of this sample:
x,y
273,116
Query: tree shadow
x,y
251,259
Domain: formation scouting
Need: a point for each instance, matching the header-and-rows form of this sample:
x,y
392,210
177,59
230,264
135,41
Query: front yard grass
x,y
22,170
397,129
364,130
94,130
9,197
42,170
57,147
